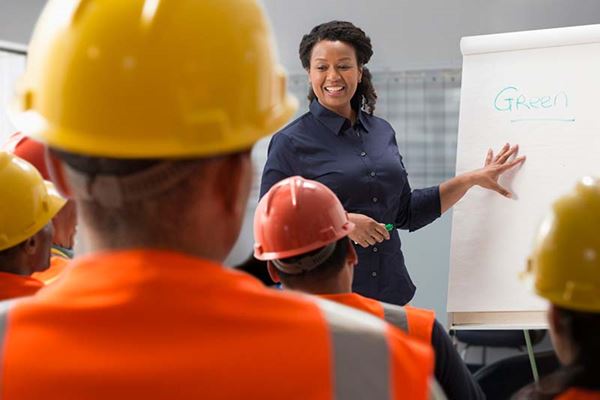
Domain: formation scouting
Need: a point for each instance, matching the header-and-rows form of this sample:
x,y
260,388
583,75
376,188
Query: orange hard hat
x,y
29,150
297,216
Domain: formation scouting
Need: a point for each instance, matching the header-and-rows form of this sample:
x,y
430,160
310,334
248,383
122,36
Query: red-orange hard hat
x,y
297,216
29,150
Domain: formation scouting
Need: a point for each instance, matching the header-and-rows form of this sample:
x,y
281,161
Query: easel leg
x,y
534,369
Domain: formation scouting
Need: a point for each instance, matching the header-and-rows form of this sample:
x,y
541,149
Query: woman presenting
x,y
340,143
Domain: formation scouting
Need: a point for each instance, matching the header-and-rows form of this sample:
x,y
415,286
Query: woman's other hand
x,y
367,231
487,177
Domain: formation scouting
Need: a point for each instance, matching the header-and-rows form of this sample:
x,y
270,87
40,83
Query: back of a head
x,y
27,202
565,265
297,224
34,152
130,95
328,262
566,255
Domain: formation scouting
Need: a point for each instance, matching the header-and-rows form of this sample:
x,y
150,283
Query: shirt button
x,y
362,154
375,250
375,199
373,274
372,173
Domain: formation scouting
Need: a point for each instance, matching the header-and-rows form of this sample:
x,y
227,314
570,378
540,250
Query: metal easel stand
x,y
534,369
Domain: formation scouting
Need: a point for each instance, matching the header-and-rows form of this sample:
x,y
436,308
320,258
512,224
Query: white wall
x,y
423,34
17,18
407,35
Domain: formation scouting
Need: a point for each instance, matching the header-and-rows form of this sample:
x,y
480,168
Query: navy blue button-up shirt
x,y
364,168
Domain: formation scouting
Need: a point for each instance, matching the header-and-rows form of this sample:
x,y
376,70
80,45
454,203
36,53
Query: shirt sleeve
x,y
281,162
418,207
450,370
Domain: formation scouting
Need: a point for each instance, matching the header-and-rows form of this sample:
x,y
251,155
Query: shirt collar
x,y
335,122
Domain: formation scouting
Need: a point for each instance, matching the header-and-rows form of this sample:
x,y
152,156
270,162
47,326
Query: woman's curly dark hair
x,y
365,96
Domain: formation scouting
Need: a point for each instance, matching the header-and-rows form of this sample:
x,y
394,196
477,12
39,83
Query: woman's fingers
x,y
503,150
378,237
489,157
506,156
382,232
513,163
362,243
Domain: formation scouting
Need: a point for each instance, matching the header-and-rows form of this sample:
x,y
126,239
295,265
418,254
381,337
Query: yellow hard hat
x,y
566,257
152,79
27,202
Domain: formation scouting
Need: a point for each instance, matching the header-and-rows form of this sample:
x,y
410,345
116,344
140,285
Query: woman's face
x,y
334,75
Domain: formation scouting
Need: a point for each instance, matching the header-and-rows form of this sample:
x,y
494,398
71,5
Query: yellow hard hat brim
x,y
139,145
55,201
53,205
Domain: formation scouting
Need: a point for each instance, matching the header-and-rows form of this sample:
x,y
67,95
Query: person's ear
x,y
273,273
30,245
352,257
56,168
360,73
555,322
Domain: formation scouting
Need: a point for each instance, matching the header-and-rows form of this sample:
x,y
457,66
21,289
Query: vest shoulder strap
x,y
360,349
395,315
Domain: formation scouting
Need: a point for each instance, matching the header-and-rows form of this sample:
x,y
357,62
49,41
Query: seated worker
x,y
64,223
565,267
301,228
27,205
150,111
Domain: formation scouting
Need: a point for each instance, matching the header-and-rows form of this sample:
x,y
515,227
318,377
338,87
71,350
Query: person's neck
x,y
325,287
345,111
200,247
14,265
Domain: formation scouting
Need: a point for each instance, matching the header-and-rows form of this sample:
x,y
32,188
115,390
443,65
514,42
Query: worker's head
x,y
301,229
150,110
27,206
565,264
34,152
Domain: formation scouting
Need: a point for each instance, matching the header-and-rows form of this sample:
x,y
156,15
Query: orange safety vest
x,y
13,285
579,394
416,322
58,263
163,325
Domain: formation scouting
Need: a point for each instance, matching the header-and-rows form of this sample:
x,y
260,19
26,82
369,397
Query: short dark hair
x,y
147,215
326,270
583,330
365,96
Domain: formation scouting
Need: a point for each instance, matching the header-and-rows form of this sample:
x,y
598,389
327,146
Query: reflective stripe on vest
x,y
360,353
4,309
435,391
396,316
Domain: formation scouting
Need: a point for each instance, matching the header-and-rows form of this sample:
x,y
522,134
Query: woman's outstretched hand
x,y
487,177
454,189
